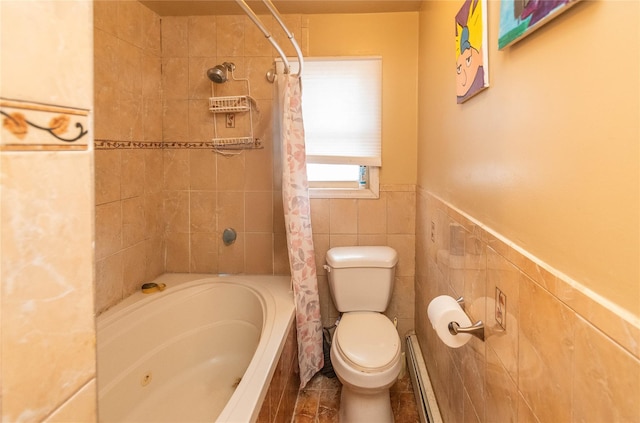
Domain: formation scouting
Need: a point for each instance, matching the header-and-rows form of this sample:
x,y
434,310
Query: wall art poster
x,y
472,63
519,18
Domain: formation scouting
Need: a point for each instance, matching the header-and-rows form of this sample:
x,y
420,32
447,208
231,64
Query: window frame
x,y
333,189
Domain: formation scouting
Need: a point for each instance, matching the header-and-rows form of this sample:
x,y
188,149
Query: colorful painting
x,y
472,63
519,18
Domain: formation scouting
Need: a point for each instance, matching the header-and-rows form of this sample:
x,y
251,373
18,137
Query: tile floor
x,y
318,402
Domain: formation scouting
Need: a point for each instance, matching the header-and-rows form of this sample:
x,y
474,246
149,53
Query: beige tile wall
x,y
389,220
564,356
178,226
206,192
162,200
128,162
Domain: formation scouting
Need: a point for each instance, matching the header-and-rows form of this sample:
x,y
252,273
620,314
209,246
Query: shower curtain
x,y
295,193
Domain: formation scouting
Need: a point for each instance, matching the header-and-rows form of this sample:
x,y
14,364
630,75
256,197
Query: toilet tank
x,y
361,278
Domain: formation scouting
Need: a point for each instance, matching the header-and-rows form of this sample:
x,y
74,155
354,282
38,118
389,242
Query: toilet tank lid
x,y
362,256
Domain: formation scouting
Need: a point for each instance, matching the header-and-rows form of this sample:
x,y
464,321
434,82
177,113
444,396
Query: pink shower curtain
x,y
295,193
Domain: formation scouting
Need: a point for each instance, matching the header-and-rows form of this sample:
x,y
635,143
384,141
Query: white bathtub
x,y
202,350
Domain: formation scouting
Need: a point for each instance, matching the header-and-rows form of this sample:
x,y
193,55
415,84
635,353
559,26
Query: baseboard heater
x,y
425,397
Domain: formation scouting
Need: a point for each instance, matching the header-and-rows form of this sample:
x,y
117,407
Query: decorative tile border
x,y
125,145
36,127
100,144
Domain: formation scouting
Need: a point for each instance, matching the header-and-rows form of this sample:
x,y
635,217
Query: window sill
x,y
372,192
343,193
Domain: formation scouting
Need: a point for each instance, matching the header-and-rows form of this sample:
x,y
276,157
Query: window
x,y
342,111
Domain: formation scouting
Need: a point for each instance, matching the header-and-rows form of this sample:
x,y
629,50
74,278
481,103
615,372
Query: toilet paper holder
x,y
477,329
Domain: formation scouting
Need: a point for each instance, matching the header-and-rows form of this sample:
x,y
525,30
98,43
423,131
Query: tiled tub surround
x,y
128,162
163,197
564,356
280,401
159,198
205,192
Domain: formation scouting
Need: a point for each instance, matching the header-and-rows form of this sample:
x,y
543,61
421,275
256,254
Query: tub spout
x,y
150,287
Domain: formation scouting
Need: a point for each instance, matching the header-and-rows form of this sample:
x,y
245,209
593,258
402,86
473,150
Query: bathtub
x,y
202,350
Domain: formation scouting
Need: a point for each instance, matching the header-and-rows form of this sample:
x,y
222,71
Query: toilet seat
x,y
368,341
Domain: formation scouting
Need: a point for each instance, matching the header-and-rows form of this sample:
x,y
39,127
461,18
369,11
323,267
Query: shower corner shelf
x,y
230,104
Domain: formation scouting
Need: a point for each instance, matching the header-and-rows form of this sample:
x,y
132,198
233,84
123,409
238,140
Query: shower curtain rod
x,y
267,34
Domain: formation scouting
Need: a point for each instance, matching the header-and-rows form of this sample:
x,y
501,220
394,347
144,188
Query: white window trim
x,y
372,191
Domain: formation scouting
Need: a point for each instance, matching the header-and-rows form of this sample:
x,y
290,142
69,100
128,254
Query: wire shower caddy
x,y
219,105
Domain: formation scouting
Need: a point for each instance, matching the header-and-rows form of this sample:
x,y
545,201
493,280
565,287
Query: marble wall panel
x,y
47,334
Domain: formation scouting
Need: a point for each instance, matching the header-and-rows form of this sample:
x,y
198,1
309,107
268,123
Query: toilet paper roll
x,y
445,309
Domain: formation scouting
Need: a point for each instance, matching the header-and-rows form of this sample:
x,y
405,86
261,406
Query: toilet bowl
x,y
366,357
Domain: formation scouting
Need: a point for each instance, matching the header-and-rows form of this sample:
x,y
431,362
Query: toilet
x,y
365,351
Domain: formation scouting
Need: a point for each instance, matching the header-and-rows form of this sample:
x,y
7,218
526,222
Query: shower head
x,y
218,73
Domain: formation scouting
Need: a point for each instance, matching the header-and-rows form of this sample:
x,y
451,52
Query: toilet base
x,y
369,407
